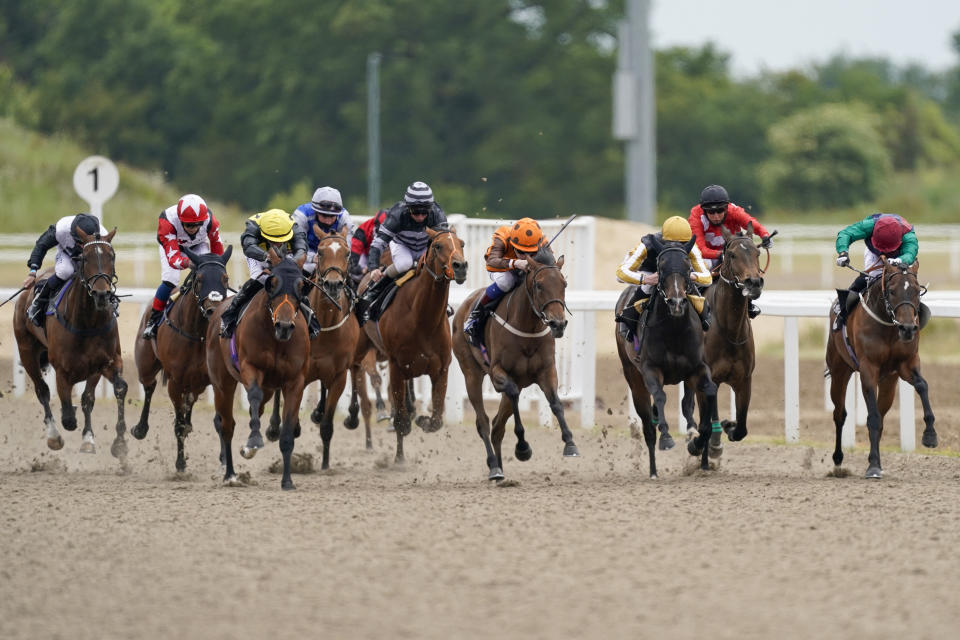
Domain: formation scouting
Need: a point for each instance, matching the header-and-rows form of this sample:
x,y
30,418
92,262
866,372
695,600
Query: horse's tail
x,y
163,377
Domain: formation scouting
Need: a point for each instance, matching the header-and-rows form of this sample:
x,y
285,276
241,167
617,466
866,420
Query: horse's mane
x,y
544,256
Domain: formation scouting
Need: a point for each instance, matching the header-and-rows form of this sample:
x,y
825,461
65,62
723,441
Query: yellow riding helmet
x,y
275,225
676,229
526,235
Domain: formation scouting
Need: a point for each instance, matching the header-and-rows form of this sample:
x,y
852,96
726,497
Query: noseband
x,y
734,280
891,309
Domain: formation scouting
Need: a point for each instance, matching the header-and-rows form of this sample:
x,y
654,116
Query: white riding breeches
x,y
63,266
403,257
505,280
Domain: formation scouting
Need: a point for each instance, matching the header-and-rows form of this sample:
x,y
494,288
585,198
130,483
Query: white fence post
x,y
908,433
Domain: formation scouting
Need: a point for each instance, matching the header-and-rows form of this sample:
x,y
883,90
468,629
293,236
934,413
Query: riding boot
x,y
705,317
630,315
38,307
313,325
373,291
753,311
228,321
150,330
475,322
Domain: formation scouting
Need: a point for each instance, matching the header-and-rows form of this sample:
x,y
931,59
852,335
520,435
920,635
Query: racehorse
x,y
884,337
331,352
671,351
270,350
415,334
519,352
179,349
728,345
82,344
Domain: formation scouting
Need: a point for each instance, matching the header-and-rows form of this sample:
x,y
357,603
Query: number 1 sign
x,y
95,180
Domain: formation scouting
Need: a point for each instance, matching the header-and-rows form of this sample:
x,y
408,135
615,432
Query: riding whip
x,y
565,224
15,294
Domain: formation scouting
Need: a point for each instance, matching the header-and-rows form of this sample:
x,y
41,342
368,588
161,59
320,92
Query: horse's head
x,y
901,296
284,287
209,273
546,288
740,266
333,250
674,269
97,267
444,257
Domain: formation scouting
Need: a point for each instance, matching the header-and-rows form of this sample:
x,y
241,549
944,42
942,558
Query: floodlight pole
x,y
373,131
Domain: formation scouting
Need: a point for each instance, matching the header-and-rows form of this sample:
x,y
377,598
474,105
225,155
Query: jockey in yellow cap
x,y
639,267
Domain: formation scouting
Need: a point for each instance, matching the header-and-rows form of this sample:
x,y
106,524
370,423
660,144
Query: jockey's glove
x,y
894,262
843,259
766,242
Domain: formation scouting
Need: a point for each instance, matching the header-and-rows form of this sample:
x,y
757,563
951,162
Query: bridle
x,y
734,280
529,280
89,281
891,309
447,272
286,300
319,279
214,296
686,276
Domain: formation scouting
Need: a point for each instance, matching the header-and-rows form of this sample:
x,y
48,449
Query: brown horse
x,y
179,349
415,334
728,345
82,343
331,352
884,338
519,352
270,350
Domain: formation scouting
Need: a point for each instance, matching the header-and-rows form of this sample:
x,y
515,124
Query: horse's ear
x,y
915,267
750,229
560,262
272,256
430,232
727,236
83,236
109,236
343,231
226,254
194,258
688,245
317,231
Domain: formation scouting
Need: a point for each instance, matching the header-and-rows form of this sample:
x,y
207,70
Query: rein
x,y
447,272
319,280
540,311
192,284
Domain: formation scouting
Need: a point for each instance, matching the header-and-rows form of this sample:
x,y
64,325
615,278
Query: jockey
x,y
360,245
506,259
715,211
326,210
404,232
271,229
639,267
885,235
63,236
190,224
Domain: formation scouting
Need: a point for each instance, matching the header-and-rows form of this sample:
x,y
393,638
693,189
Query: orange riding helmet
x,y
526,235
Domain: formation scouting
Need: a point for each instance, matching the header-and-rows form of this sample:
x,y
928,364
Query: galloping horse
x,y
82,344
519,352
728,345
270,350
180,350
884,337
415,334
331,352
671,351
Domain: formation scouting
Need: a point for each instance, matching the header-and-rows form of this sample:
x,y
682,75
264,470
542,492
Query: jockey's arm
x,y
701,272
387,232
249,241
909,248
852,233
46,241
628,271
167,237
213,235
696,226
494,257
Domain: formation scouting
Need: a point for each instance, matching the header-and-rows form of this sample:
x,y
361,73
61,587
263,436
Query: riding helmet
x,y
676,229
89,223
276,225
191,209
714,194
887,234
526,235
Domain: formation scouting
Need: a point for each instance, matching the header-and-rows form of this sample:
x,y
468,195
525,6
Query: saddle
x,y
379,304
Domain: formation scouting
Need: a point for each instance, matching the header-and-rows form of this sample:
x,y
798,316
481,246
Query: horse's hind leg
x,y
401,415
868,381
87,399
708,412
273,429
352,421
326,424
224,423
839,378
641,403
911,373
500,426
438,394
548,384
29,347
119,447
511,394
686,408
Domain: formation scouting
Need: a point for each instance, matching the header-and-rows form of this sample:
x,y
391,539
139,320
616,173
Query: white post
x,y
848,433
588,370
861,402
908,433
791,379
456,393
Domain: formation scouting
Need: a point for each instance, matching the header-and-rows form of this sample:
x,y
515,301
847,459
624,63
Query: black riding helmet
x,y
90,224
714,194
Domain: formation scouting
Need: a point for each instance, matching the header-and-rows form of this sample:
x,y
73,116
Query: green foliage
x,y
827,156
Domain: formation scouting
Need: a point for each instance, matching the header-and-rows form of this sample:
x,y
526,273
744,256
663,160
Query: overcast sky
x,y
778,34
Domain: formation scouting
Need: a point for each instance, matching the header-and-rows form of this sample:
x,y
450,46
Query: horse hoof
x,y
232,481
666,442
273,434
287,485
524,451
571,451
181,465
316,416
874,473
715,452
70,425
140,430
382,415
88,447
119,448
350,422
247,452
296,430
496,473
930,441
692,447
654,476
55,443
427,424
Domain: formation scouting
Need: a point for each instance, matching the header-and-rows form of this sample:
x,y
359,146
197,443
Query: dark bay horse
x,y
414,331
671,351
332,351
80,340
270,350
884,334
520,342
179,349
728,345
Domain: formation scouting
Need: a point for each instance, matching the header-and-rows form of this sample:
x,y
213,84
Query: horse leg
x,y
503,383
438,395
411,398
653,381
326,424
839,378
868,381
686,408
292,394
87,399
118,449
254,440
641,403
911,373
317,414
500,427
68,412
273,429
708,411
742,391
473,379
352,420
223,422
148,379
548,385
31,365
377,383
179,399
401,414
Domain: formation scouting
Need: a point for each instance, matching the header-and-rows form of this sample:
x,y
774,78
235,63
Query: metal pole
x,y
373,131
